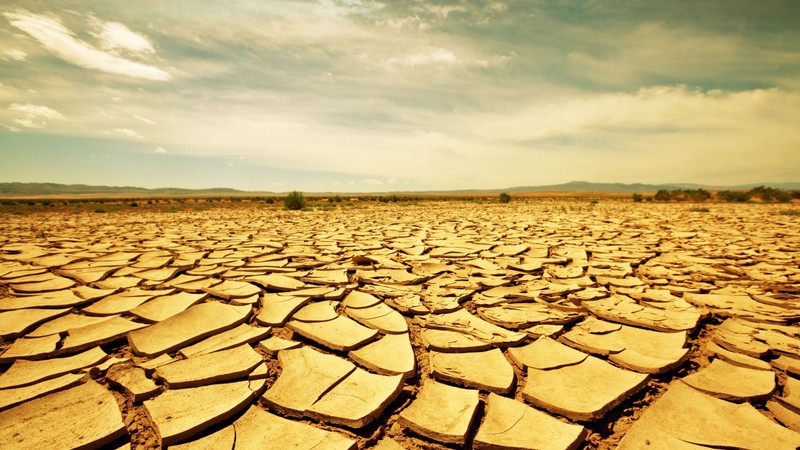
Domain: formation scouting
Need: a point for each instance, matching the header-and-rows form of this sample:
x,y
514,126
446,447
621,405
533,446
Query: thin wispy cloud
x,y
58,39
34,116
13,54
128,132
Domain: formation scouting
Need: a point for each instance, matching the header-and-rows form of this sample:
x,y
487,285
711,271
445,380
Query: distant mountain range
x,y
54,189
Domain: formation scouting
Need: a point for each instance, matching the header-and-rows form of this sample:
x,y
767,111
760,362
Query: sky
x,y
360,95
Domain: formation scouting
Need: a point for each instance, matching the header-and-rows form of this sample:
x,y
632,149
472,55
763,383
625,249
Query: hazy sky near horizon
x,y
357,95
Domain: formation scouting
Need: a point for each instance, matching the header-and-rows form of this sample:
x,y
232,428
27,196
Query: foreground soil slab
x,y
584,391
487,370
83,416
258,429
179,414
306,374
512,424
195,323
685,416
441,412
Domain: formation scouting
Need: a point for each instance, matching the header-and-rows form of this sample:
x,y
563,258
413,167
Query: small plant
x,y
269,200
295,201
637,197
134,204
790,212
702,209
505,198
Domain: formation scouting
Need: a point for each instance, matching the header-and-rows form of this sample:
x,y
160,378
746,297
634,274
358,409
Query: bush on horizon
x,y
505,198
295,201
637,197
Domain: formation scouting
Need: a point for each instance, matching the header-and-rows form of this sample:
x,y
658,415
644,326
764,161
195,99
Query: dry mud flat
x,y
547,325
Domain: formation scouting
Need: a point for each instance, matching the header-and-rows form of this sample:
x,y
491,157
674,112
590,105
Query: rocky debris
x,y
133,381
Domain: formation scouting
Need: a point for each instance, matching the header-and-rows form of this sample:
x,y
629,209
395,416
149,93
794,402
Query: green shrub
x,y
663,195
637,197
505,198
295,201
701,209
733,196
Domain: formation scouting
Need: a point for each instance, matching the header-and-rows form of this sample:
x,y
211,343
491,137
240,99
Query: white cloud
x,y
437,56
160,150
115,36
128,132
442,11
34,116
60,40
372,182
144,120
14,54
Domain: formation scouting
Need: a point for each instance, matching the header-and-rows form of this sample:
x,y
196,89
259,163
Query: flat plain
x,y
542,323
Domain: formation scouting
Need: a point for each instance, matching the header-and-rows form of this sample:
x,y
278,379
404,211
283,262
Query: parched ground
x,y
535,324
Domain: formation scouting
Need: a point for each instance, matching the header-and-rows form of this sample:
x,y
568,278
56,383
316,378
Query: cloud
x,y
61,41
144,119
438,56
116,37
34,116
652,110
372,182
128,132
13,54
442,11
160,150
